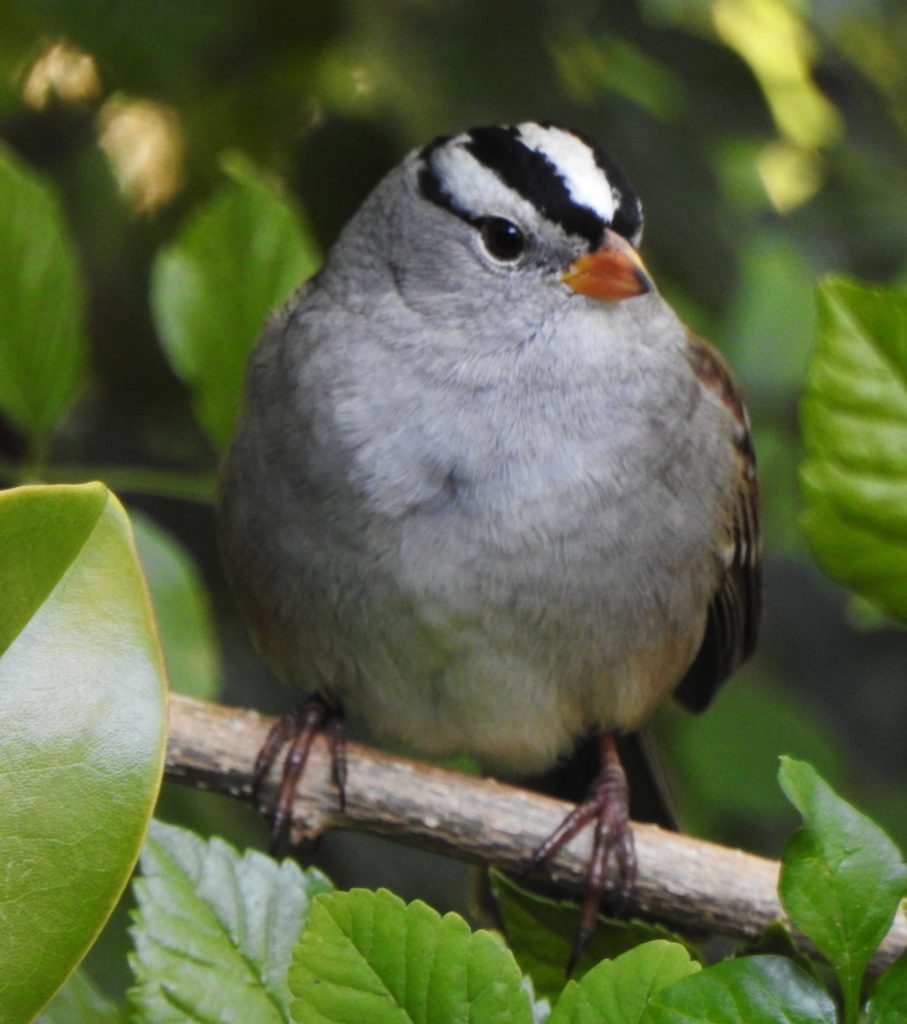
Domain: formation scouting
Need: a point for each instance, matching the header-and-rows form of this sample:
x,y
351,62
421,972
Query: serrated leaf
x,y
368,956
755,989
841,877
854,419
619,991
42,333
239,256
540,932
82,702
215,930
183,611
888,1002
81,1002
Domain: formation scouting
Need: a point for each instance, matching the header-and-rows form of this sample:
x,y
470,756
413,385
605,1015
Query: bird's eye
x,y
502,238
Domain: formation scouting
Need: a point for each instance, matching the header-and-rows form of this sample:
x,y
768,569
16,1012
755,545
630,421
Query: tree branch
x,y
684,881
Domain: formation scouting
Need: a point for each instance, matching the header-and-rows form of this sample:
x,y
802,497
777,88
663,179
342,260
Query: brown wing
x,y
733,615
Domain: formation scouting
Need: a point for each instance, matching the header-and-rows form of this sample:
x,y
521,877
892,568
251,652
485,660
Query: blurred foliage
x,y
42,357
241,255
768,139
181,609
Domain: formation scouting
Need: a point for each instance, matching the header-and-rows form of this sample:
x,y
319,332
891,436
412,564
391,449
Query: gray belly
x,y
489,590
507,632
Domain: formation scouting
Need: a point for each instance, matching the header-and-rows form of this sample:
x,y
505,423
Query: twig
x,y
688,882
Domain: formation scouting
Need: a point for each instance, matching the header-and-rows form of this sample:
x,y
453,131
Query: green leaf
x,y
42,336
367,956
215,930
619,991
854,419
841,878
82,695
754,989
241,254
540,933
888,1002
182,609
80,1002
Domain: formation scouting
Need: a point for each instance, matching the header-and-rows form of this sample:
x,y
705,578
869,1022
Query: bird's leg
x,y
298,728
605,804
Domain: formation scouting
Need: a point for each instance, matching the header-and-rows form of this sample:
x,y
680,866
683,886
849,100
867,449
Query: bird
x,y
487,490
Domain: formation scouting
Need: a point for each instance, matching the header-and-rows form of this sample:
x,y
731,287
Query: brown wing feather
x,y
733,615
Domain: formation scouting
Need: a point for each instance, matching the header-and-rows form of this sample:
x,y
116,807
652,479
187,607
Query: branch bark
x,y
687,882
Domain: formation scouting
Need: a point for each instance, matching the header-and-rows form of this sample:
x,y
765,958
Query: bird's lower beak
x,y
614,271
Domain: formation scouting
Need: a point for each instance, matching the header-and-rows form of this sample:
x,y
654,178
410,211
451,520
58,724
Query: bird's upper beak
x,y
613,271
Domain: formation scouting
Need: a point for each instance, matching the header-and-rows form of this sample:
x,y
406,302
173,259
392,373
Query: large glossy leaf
x,y
854,418
842,878
42,339
241,254
368,956
215,931
82,701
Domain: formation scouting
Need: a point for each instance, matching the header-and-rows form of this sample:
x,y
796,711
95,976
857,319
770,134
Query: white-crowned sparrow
x,y
487,490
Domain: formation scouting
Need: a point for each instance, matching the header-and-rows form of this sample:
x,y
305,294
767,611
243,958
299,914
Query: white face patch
x,y
586,182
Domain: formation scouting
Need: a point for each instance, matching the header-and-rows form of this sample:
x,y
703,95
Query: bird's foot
x,y
296,730
606,805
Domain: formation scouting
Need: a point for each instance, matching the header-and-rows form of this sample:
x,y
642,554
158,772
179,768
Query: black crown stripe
x,y
535,178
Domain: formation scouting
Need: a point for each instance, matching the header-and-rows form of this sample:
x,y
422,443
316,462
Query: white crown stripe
x,y
476,189
584,179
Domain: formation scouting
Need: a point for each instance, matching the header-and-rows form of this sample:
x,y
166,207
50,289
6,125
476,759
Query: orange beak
x,y
614,271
